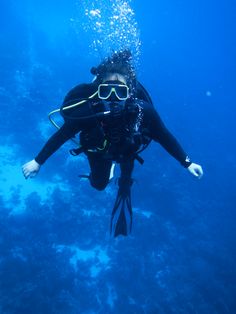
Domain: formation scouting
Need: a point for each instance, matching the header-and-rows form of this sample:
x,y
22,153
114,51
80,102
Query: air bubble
x,y
111,26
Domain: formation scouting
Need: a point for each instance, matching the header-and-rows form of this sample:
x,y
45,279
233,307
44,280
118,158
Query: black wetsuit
x,y
99,164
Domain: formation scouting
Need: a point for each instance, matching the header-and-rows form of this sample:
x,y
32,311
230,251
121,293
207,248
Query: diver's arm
x,y
55,142
161,134
31,168
67,131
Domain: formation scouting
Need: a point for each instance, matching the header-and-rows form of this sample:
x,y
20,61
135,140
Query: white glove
x,y
30,169
195,170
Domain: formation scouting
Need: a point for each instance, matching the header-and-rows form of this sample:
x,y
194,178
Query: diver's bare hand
x,y
195,170
30,169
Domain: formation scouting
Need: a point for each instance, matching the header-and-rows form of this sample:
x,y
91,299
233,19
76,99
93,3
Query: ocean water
x,y
56,254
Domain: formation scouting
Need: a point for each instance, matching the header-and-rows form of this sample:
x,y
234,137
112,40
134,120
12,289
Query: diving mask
x,y
105,91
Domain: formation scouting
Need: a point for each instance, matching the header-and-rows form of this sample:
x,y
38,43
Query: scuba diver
x,y
116,120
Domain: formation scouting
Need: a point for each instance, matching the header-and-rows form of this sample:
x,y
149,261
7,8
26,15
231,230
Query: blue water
x,y
56,252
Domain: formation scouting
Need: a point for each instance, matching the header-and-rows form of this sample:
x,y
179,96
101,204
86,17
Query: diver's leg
x,y
100,171
126,168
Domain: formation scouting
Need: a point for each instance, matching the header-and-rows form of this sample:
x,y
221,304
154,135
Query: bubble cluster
x,y
111,26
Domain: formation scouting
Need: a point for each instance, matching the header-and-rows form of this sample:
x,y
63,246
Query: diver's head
x,y
117,67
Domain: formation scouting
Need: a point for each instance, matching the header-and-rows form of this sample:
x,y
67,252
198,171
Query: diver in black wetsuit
x,y
115,119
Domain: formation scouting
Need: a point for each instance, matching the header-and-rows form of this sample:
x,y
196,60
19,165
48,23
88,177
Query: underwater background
x,y
56,253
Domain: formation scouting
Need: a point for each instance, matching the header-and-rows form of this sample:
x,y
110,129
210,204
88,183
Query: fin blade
x,y
121,219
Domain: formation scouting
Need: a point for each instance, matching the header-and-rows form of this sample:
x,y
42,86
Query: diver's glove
x,y
30,169
195,170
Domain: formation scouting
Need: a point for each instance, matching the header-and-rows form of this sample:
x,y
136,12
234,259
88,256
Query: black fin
x,y
121,218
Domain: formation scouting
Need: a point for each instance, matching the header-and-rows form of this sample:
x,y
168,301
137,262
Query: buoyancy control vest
x,y
117,136
115,133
